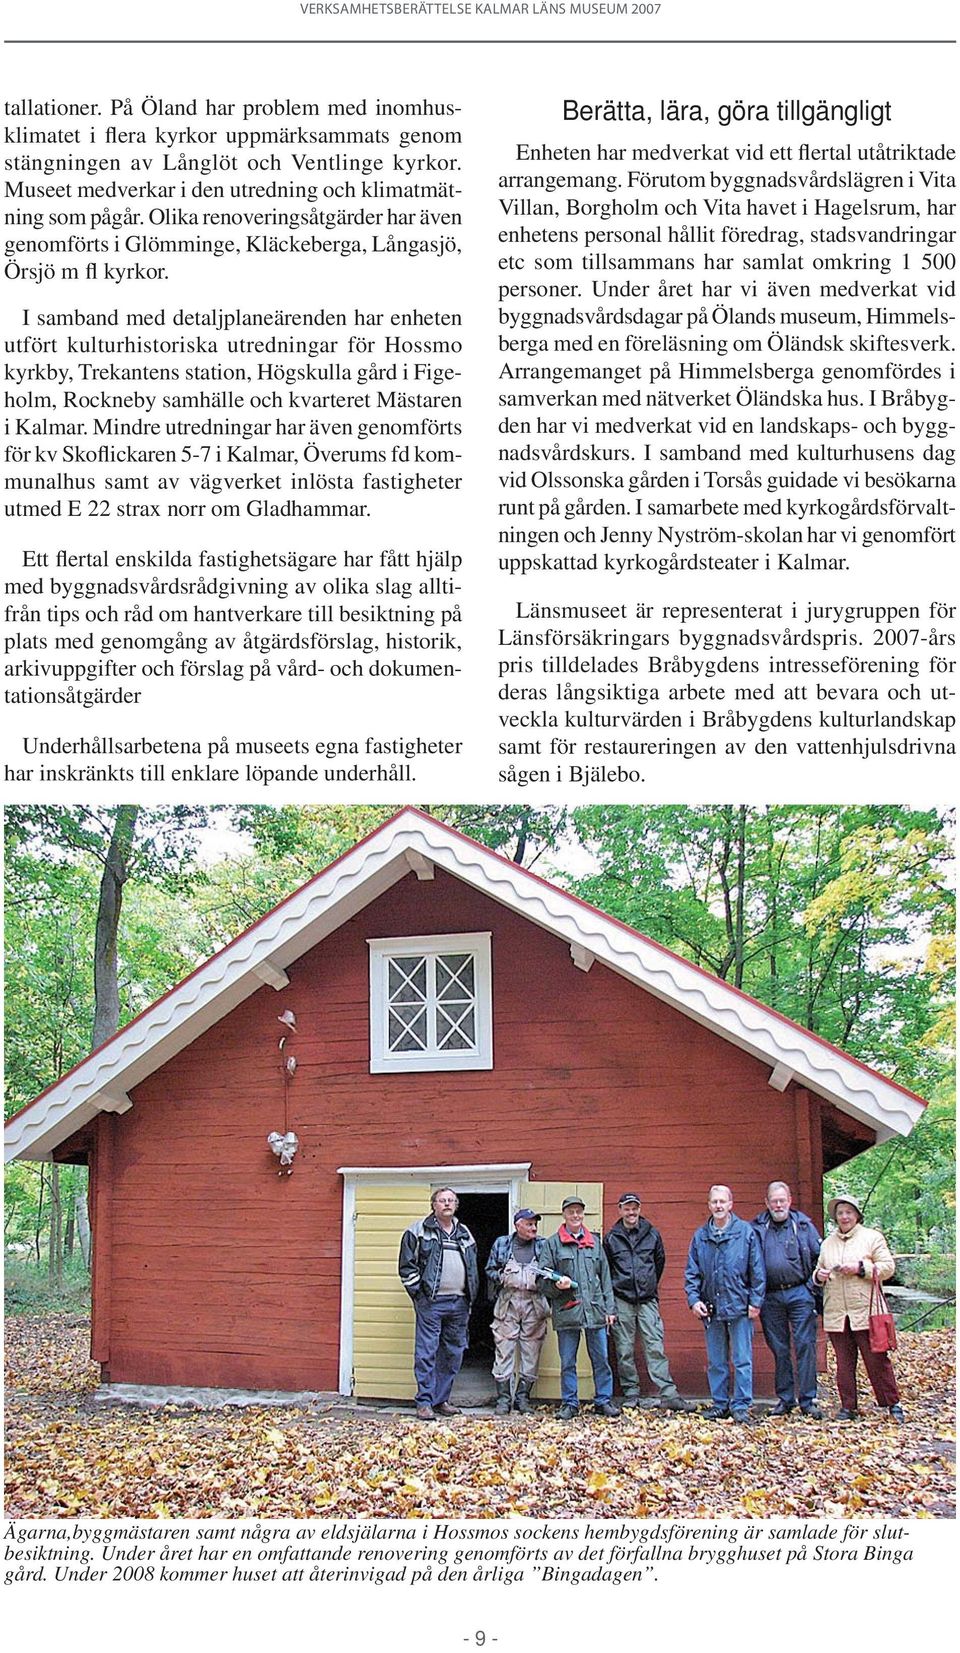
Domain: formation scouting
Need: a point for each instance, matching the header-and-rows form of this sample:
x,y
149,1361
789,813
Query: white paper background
x,y
509,92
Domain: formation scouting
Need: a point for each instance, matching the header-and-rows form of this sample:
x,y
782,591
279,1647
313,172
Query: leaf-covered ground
x,y
68,1456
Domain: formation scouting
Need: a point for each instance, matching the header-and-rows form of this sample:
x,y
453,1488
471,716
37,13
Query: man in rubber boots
x,y
521,1313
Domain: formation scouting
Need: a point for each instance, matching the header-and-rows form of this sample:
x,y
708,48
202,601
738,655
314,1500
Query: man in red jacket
x,y
578,1286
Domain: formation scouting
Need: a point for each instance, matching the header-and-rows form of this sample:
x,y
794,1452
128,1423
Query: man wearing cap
x,y
438,1271
582,1301
724,1283
521,1314
791,1246
636,1256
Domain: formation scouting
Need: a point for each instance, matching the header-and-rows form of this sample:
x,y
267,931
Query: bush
x,y
27,1289
929,1271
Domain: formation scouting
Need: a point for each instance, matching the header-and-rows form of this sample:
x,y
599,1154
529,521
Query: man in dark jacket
x,y
724,1283
438,1270
791,1246
636,1256
582,1301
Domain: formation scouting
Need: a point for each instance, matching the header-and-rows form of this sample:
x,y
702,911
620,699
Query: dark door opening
x,y
486,1216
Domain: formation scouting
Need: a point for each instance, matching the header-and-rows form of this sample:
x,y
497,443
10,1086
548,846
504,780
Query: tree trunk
x,y
55,1245
39,1216
722,863
83,1223
734,894
739,927
106,1018
521,845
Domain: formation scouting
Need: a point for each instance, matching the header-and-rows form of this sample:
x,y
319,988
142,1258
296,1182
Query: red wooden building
x,y
457,1019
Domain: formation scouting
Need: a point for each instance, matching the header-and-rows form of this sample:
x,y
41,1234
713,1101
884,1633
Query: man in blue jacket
x,y
791,1246
724,1283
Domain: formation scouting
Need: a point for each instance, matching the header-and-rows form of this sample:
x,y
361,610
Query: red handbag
x,y
882,1331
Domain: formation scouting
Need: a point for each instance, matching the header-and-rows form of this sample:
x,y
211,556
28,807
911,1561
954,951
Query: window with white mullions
x,y
430,1003
408,1004
456,997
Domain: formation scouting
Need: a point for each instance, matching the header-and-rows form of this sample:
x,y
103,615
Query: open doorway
x,y
486,1216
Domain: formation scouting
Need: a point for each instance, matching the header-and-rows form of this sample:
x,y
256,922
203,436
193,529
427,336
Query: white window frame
x,y
382,1059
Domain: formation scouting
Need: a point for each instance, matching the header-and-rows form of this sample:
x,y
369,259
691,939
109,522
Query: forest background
x,y
840,917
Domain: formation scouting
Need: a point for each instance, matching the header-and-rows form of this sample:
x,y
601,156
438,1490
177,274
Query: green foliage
x,y
935,1272
840,917
21,1197
293,843
27,1289
288,846
164,840
307,838
518,831
836,916
50,920
908,1186
80,959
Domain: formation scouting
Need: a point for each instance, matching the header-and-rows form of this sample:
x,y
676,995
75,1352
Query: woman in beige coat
x,y
848,1257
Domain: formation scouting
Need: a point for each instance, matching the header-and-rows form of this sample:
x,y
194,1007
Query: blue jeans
x,y
783,1313
441,1341
569,1341
730,1341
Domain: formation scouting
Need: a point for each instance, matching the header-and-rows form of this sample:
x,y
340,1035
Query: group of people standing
x,y
775,1270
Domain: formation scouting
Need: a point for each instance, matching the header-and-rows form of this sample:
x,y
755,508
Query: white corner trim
x,y
781,1076
581,958
420,865
348,1246
269,973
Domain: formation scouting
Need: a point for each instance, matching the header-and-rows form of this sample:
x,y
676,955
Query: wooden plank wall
x,y
224,1272
384,1318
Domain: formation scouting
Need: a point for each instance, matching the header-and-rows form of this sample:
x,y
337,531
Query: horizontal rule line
x,y
485,40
